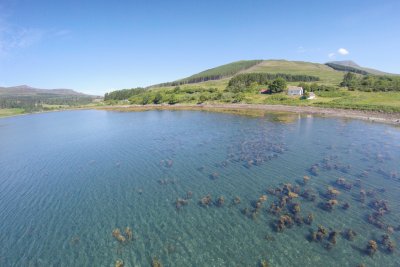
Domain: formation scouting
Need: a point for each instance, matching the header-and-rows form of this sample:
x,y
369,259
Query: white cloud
x,y
331,55
343,51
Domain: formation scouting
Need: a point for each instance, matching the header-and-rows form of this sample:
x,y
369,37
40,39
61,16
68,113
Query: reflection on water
x,y
189,188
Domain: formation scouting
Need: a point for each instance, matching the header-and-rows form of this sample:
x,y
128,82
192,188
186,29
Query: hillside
x,y
23,99
351,66
326,74
242,81
217,73
25,90
330,73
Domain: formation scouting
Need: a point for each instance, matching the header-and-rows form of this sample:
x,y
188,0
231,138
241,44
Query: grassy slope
x,y
326,74
227,69
11,112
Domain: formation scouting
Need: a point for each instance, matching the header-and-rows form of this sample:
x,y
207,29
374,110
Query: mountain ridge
x,y
26,90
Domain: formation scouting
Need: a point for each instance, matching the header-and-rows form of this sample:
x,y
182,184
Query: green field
x,y
11,112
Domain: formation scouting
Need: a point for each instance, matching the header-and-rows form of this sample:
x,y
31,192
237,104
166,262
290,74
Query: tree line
x,y
37,102
371,83
217,73
346,68
123,93
246,79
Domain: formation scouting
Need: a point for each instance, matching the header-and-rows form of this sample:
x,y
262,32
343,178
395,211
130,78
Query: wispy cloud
x,y
301,50
61,33
13,38
331,55
17,37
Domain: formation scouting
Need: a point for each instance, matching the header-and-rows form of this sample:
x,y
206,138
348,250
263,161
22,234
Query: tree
x,y
202,98
146,99
172,100
348,80
278,85
158,98
239,97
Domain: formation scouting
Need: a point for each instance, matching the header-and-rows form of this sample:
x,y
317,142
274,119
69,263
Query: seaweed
x,y
306,179
349,234
129,233
119,263
116,233
372,247
180,202
236,200
220,201
155,262
206,201
263,263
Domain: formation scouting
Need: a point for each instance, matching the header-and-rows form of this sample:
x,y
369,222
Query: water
x,y
68,179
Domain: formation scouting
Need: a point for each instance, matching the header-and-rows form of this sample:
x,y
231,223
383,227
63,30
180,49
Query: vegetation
x,y
326,74
123,94
333,88
217,73
350,66
371,83
247,79
346,68
32,103
278,85
11,112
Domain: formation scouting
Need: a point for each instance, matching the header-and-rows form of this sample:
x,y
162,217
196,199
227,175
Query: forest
x,y
41,102
371,83
246,79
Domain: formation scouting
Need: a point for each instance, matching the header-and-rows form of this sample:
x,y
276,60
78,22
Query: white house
x,y
294,90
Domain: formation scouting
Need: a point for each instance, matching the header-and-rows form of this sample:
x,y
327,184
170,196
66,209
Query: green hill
x,y
218,77
242,81
217,73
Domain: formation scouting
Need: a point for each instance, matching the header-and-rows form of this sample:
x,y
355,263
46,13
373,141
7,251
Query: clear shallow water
x,y
68,179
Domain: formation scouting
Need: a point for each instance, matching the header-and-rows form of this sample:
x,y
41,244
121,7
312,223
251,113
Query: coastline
x,y
247,109
372,116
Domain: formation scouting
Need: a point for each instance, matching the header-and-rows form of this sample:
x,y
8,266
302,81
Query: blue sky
x,y
98,46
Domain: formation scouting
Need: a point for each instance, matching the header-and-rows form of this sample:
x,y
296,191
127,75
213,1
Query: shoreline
x,y
372,116
247,109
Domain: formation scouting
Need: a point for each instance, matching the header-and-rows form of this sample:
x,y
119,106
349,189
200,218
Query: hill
x,y
216,73
222,74
351,66
25,90
242,81
330,73
23,98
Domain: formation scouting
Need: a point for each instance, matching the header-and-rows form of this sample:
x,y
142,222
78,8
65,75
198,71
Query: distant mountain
x,y
351,66
25,90
31,99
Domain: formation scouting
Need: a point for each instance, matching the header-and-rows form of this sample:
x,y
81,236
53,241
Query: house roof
x,y
290,88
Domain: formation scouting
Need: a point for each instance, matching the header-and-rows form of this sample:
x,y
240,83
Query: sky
x,y
99,46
